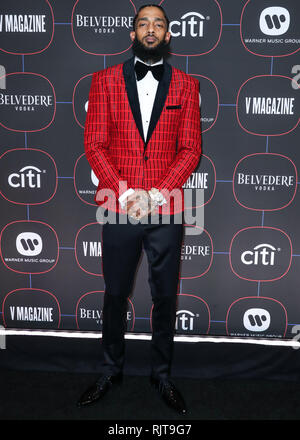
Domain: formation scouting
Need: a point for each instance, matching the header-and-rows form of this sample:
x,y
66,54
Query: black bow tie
x,y
142,69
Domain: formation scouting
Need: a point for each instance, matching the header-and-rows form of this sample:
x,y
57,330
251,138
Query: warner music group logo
x,y
256,320
256,317
274,20
271,31
29,244
29,247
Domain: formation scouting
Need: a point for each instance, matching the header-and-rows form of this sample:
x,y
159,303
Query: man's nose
x,y
151,28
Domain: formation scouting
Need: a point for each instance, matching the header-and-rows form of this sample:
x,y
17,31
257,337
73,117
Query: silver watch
x,y
156,196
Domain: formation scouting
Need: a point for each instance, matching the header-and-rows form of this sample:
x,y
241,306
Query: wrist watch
x,y
156,196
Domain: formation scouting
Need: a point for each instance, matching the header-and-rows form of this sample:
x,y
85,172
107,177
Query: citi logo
x,y
28,177
185,320
274,20
29,243
257,320
262,254
191,25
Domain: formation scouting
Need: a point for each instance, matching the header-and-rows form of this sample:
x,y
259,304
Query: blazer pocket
x,y
172,107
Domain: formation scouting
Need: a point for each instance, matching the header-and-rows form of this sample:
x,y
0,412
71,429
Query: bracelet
x,y
156,196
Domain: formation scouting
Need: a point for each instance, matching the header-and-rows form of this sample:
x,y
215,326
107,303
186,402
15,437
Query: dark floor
x,y
52,396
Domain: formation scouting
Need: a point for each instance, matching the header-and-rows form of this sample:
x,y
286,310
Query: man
x,y
142,129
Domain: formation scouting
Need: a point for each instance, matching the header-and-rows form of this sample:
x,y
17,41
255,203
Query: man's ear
x,y
168,37
132,35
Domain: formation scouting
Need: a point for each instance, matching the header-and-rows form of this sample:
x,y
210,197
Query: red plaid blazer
x,y
114,141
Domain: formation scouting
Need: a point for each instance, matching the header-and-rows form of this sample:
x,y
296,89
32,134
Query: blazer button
x,y
146,157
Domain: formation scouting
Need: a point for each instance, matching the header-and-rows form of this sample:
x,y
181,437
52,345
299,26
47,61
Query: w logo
x,y
29,243
274,20
257,320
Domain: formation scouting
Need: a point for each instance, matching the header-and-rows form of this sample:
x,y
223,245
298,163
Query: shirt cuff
x,y
123,197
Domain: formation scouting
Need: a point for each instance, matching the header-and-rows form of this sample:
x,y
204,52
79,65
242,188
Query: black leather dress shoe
x,y
99,389
169,394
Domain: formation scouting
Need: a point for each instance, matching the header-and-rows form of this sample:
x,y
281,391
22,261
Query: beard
x,y
146,54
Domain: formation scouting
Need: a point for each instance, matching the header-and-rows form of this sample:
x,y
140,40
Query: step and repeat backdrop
x,y
241,275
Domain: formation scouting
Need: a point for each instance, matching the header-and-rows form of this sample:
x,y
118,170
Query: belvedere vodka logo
x,y
265,181
89,312
28,103
99,28
196,255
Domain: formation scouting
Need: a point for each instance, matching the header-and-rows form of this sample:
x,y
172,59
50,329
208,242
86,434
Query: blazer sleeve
x,y
189,143
97,135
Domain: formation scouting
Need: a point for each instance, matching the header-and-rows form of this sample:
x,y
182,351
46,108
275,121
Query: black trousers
x,y
122,245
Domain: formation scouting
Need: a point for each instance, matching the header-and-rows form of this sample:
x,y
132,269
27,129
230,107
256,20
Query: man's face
x,y
151,28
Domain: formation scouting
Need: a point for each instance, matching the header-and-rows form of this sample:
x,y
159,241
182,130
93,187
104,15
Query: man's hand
x,y
139,204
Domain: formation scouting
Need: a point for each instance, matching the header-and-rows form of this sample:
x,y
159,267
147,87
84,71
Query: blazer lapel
x,y
132,93
160,99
